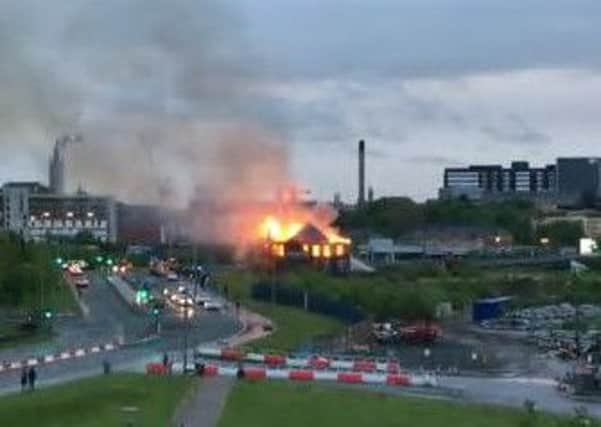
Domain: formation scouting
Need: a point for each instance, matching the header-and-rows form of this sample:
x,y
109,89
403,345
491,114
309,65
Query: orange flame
x,y
278,230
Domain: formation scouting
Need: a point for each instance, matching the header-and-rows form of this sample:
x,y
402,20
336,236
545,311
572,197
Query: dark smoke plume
x,y
162,92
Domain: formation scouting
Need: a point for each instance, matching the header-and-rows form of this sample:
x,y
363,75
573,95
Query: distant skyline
x,y
427,83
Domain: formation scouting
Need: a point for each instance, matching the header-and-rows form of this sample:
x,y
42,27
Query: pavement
x,y
514,391
204,406
253,328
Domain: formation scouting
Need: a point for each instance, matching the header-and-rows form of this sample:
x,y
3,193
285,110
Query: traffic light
x,y
109,261
99,259
156,311
58,261
47,314
142,296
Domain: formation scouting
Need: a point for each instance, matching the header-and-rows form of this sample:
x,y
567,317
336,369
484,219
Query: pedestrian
x,y
165,359
23,379
31,376
240,373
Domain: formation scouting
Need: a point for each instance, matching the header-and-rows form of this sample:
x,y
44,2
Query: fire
x,y
284,235
276,230
286,227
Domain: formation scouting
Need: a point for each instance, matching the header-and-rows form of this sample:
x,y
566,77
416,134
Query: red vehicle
x,y
398,332
419,333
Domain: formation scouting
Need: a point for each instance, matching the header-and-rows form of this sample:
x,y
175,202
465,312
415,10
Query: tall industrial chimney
x,y
361,196
56,169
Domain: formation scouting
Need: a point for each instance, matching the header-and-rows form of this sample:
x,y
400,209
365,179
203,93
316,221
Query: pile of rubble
x,y
543,317
552,327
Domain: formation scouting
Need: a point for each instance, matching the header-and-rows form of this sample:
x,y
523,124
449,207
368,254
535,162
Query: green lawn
x,y
60,298
11,335
293,326
279,404
97,402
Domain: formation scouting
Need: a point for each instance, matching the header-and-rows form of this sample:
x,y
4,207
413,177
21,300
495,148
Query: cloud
x,y
433,159
423,81
156,88
421,38
431,123
513,129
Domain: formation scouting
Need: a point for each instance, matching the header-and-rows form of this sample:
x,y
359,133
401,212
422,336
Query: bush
x,y
24,267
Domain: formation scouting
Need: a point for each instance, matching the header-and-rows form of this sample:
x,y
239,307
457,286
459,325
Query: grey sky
x,y
423,81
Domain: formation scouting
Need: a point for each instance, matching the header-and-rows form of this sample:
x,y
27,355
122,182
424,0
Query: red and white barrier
x,y
313,362
51,358
347,377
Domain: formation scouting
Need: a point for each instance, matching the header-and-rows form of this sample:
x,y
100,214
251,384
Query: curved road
x,y
111,319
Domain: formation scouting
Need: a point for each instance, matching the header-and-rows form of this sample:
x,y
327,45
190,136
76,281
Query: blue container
x,y
489,308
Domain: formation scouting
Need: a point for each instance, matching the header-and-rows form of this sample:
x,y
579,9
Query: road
x,y
111,319
514,391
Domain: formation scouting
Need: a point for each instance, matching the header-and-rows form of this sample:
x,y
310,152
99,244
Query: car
x,y
212,305
82,282
172,277
202,299
182,300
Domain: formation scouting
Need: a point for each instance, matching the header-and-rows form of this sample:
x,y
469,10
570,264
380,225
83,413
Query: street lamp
x,y
189,312
427,354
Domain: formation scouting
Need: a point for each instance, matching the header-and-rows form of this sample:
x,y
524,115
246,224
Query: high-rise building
x,y
579,181
32,211
494,181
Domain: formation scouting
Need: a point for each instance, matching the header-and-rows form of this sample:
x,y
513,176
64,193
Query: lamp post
x,y
544,241
427,354
187,305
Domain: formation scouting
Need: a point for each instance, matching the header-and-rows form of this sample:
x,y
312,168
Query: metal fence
x,y
313,302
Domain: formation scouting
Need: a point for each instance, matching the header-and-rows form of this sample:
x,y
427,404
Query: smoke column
x,y
164,93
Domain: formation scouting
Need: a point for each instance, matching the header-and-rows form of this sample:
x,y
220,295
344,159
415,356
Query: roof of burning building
x,y
310,234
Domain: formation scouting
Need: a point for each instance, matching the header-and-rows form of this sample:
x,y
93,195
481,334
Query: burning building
x,y
303,241
301,235
284,229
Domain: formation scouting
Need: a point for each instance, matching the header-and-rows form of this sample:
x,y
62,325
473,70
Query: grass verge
x,y
278,404
12,335
105,401
294,326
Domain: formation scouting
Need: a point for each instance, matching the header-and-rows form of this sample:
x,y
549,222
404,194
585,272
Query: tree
x,y
561,233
